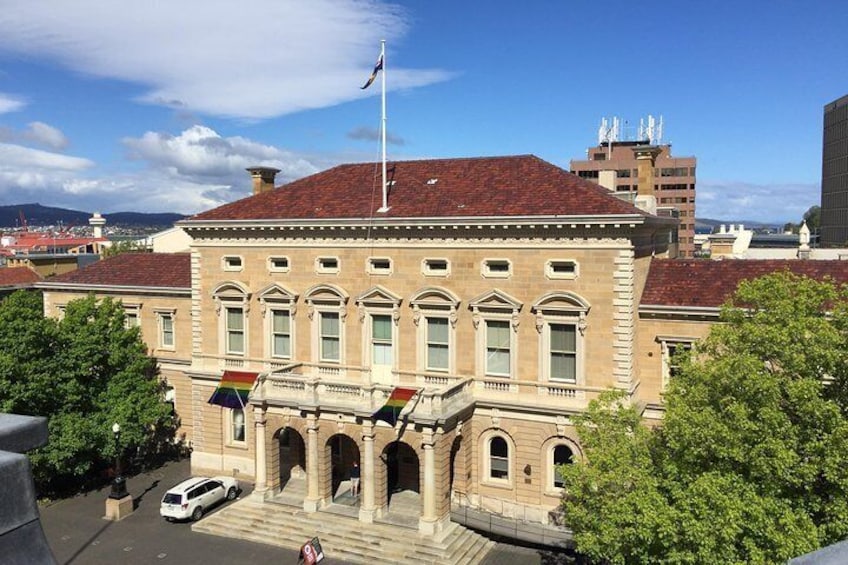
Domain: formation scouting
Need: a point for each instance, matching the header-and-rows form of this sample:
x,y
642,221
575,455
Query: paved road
x,y
78,534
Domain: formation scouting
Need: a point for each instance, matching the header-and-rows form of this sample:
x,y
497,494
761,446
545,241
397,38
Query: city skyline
x,y
112,107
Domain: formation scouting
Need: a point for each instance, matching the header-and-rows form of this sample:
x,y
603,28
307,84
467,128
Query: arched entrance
x,y
342,452
292,464
402,469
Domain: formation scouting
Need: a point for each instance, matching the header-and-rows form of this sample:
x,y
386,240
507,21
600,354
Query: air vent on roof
x,y
432,181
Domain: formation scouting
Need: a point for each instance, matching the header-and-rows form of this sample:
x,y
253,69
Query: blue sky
x,y
111,105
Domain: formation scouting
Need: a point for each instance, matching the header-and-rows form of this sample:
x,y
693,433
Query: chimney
x,y
97,222
646,156
607,180
263,178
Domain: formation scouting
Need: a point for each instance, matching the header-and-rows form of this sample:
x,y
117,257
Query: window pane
x,y
497,334
498,363
437,357
499,468
281,321
437,330
238,424
235,342
381,327
329,349
499,447
235,320
382,354
282,346
329,324
563,338
563,366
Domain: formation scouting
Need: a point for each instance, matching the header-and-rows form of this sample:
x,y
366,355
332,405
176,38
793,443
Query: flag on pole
x,y
397,401
377,68
233,390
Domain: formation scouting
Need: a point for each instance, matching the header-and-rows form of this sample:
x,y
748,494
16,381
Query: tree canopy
x,y
750,464
83,372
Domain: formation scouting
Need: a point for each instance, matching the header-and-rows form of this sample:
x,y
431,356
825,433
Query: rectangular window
x,y
672,359
379,266
381,340
232,263
328,265
330,337
438,344
498,348
131,319
278,264
563,352
561,269
166,337
235,331
497,268
280,334
436,267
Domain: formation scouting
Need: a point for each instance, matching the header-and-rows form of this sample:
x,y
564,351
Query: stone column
x,y
428,523
368,509
261,457
313,496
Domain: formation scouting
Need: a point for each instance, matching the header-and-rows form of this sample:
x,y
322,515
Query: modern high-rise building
x,y
834,186
613,164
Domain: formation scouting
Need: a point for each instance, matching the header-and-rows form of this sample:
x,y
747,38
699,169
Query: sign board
x,y
311,552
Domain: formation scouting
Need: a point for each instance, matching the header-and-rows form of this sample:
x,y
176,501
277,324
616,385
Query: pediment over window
x,y
231,292
231,289
563,302
496,299
277,294
434,297
326,293
378,296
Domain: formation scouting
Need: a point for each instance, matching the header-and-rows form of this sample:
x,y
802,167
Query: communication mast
x,y
610,130
652,132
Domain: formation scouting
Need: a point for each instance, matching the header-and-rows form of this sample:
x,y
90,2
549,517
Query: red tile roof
x,y
477,187
18,276
169,270
707,284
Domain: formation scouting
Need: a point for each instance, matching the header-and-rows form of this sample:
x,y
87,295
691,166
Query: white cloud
x,y
9,103
187,173
46,135
251,59
744,201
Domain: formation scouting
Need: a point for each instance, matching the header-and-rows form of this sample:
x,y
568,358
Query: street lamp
x,y
119,484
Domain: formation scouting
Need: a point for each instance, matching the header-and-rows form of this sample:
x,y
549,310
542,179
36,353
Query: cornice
x,y
115,289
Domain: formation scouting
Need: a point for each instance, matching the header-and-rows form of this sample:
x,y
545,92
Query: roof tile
x,y
170,270
707,283
475,187
11,276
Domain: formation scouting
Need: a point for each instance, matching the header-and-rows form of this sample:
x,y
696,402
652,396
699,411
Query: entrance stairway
x,y
343,537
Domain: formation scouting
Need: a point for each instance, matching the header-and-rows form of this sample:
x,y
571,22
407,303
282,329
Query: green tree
x,y
751,462
83,373
813,218
126,246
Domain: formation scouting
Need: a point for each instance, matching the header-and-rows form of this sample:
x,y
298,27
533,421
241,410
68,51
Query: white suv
x,y
192,497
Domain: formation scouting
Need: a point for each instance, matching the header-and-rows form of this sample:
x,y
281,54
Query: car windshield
x,y
172,498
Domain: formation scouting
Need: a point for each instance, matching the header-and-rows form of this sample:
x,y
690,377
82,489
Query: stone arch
x,y
291,459
403,468
341,451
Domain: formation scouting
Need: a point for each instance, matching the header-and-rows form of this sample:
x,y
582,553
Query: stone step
x,y
343,537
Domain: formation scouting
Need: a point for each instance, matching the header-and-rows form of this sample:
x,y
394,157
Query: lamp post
x,y
119,483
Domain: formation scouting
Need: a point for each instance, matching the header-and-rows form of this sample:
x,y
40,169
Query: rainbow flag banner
x,y
397,401
233,390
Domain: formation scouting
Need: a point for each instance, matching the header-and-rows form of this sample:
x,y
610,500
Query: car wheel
x,y
231,494
197,514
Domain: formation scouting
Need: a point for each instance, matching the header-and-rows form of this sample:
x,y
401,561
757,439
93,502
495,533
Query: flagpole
x,y
385,206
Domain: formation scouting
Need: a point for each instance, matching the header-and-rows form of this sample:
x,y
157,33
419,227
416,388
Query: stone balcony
x,y
355,389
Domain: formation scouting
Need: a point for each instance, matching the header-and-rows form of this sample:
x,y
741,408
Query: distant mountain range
x,y
707,222
38,215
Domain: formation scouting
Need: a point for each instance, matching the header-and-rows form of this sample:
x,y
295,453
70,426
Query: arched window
x,y
498,458
237,425
232,302
562,455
